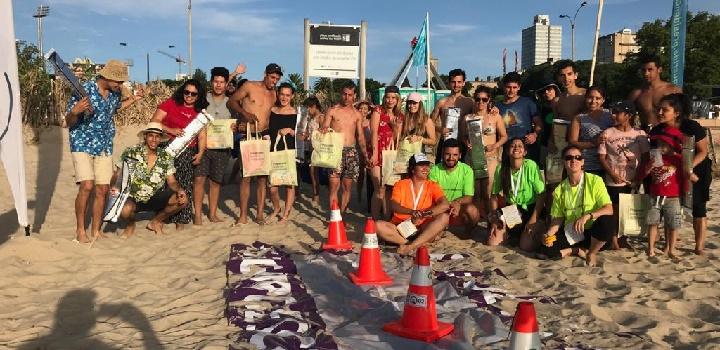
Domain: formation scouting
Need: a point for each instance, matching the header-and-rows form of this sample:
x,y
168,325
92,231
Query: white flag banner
x,y
11,139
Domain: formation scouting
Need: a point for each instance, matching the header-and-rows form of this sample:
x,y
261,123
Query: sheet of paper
x,y
511,216
572,235
407,228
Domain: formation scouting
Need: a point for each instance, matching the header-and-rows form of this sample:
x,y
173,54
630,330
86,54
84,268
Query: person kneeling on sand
x,y
581,212
419,207
154,168
517,182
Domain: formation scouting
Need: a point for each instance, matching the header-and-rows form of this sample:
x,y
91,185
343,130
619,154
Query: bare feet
x,y
699,251
241,221
672,256
98,234
650,252
316,199
156,227
284,219
129,231
591,260
405,249
214,218
582,253
81,237
666,249
179,227
197,220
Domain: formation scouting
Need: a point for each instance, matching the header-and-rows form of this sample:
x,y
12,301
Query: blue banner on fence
x,y
678,26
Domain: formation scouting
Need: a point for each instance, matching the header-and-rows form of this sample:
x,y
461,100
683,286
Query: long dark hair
x,y
680,103
505,170
201,100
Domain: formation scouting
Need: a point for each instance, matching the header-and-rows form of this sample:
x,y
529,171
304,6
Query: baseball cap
x,y
273,68
623,106
419,159
415,97
670,135
392,89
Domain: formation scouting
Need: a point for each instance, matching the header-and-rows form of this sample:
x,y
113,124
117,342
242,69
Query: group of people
x,y
489,163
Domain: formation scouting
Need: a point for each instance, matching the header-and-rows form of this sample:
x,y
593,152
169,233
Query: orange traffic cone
x,y
419,319
525,334
337,239
370,271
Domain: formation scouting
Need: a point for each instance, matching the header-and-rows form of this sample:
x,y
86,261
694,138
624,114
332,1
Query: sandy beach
x,y
166,292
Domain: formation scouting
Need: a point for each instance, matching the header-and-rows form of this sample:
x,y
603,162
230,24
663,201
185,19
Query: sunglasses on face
x,y
411,102
571,157
190,93
482,99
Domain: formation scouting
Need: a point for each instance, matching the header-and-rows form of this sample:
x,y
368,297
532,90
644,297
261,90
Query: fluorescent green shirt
x,y
531,184
595,196
457,183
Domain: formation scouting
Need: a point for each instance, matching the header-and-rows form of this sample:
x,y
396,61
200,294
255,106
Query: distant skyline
x,y
465,34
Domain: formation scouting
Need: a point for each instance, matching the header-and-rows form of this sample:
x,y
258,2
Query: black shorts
x,y
213,164
513,237
614,192
600,230
156,203
701,189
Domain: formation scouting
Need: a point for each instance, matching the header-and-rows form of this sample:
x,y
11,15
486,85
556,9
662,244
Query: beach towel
x,y
255,153
327,149
283,170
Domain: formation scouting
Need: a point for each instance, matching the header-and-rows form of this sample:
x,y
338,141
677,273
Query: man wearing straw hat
x,y
92,129
154,167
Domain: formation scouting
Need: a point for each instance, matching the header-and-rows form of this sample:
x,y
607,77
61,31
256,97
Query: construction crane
x,y
180,61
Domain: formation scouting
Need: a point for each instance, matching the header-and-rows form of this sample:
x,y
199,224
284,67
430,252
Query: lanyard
x,y
515,186
416,197
579,194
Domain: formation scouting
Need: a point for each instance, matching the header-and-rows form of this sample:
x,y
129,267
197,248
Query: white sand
x,y
167,291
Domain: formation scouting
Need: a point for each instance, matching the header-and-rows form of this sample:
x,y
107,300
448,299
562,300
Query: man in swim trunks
x,y
647,98
345,119
252,102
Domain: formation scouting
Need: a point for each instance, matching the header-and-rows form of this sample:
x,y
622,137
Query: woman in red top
x,y
175,114
383,130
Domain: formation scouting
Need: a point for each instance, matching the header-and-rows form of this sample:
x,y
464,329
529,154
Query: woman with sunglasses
x,y
417,125
384,122
581,212
519,182
585,129
175,114
494,137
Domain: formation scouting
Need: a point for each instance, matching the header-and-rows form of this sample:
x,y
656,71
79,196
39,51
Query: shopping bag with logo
x,y
219,134
255,154
405,150
389,177
632,210
327,149
283,171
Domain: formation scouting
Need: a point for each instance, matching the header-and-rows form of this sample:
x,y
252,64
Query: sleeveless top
x,y
590,129
281,121
385,133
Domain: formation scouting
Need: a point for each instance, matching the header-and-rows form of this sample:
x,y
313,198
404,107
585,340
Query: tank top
x,y
281,121
590,128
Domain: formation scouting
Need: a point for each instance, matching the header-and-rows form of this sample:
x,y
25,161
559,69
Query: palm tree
x,y
296,79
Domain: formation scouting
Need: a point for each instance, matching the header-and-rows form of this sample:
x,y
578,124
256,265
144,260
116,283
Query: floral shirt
x,y
94,132
145,181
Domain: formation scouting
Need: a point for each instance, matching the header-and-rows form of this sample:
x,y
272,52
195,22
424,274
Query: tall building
x,y
541,42
613,48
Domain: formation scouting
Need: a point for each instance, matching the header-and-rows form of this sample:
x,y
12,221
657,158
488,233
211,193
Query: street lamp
x,y
572,26
41,12
189,13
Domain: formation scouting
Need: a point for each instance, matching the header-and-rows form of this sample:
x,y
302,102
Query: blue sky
x,y
469,34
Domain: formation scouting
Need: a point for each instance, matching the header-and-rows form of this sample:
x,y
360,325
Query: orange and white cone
x,y
525,333
419,320
370,270
337,239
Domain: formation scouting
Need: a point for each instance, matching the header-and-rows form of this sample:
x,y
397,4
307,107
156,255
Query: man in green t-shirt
x,y
457,181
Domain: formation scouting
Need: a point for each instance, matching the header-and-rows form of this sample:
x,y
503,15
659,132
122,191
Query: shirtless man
x,y
345,119
455,100
647,98
572,98
252,102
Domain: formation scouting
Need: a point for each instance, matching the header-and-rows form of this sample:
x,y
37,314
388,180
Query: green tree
x,y
296,79
36,99
702,66
201,76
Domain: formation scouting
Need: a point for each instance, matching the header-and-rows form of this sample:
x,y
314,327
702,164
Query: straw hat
x,y
156,128
114,70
